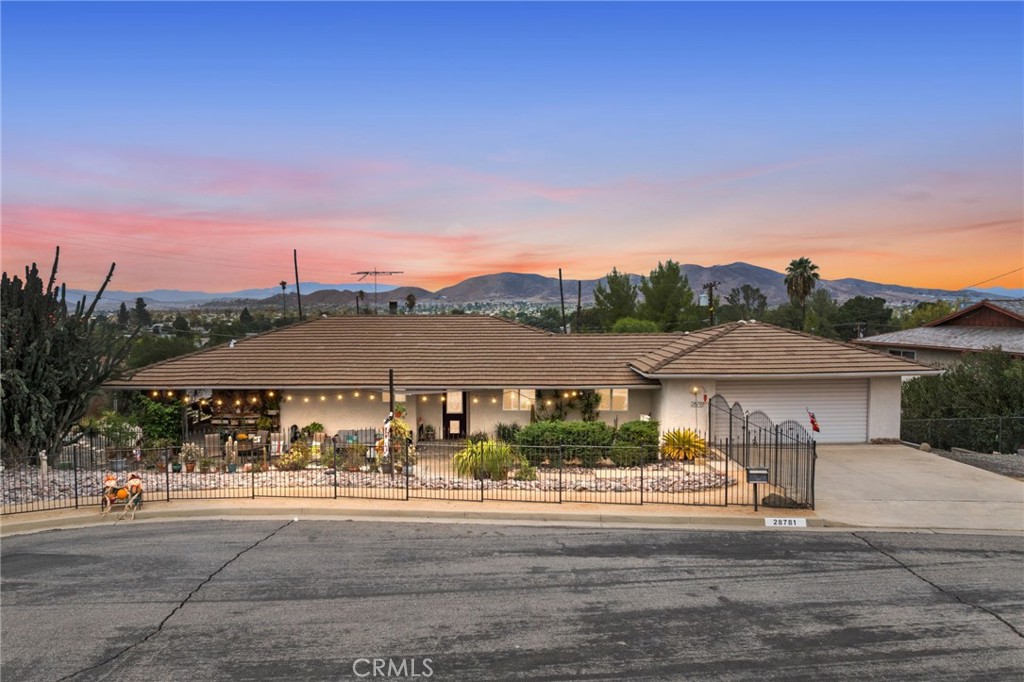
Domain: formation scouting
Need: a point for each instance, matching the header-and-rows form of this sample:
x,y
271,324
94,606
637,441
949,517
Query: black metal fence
x,y
751,439
981,434
358,464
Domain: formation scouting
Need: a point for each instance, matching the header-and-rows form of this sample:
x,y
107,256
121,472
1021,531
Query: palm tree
x,y
410,301
801,277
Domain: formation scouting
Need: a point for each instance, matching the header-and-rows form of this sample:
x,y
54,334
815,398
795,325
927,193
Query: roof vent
x,y
232,344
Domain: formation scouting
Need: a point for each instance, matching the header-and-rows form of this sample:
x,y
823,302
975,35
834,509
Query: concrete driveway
x,y
896,486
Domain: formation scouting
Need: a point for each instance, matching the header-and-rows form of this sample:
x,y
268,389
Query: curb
x,y
78,519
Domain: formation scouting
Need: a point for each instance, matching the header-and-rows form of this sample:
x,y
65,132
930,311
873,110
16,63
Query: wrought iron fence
x,y
786,449
981,434
359,464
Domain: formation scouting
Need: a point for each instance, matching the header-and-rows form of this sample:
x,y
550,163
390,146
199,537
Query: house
x,y
987,324
463,374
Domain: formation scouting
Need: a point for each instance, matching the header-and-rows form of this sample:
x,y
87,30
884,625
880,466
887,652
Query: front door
x,y
453,414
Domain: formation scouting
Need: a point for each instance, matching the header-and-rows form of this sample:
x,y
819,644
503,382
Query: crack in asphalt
x,y
939,587
177,608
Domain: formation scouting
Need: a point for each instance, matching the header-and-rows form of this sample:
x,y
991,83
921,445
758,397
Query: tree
x,y
744,303
141,315
863,316
124,317
245,318
410,301
54,360
360,297
923,313
668,299
801,278
180,324
616,301
632,325
149,349
819,314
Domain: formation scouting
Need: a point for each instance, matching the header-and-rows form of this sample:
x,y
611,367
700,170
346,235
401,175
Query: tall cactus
x,y
52,361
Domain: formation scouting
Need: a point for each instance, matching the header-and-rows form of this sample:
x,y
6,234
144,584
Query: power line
x,y
994,278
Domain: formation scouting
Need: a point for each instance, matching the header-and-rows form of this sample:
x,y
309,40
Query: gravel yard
x,y
1007,465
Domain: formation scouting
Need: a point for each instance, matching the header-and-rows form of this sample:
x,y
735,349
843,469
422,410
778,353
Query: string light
x,y
323,398
306,399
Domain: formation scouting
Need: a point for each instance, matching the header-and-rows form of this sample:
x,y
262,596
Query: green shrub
x,y
585,441
297,458
487,459
526,472
636,443
507,432
479,437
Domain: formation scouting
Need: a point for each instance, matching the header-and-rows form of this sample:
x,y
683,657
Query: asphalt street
x,y
330,600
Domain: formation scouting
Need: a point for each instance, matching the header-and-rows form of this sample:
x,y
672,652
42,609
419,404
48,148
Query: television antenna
x,y
366,273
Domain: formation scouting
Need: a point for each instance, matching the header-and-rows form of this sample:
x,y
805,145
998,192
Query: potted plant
x,y
205,464
190,452
120,435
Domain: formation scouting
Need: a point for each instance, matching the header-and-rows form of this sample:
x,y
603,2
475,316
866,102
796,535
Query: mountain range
x,y
510,287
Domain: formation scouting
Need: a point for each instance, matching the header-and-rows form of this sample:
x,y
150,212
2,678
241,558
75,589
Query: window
x,y
900,353
522,399
613,399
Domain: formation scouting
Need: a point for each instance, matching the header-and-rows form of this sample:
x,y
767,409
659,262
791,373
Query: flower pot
x,y
190,467
232,468
176,467
117,464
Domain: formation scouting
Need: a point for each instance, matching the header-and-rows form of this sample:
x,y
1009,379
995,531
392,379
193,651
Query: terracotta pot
x,y
190,466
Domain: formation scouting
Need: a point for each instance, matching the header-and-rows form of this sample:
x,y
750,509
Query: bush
x,y
681,444
526,472
636,443
297,458
507,432
578,440
487,459
479,437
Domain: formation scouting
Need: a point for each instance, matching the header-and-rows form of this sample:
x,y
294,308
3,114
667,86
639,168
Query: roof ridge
x,y
837,342
725,329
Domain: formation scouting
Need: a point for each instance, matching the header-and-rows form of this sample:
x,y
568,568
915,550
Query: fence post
x,y
74,465
999,445
167,476
252,479
561,459
406,468
643,465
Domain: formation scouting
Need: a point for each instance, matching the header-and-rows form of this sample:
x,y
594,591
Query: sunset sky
x,y
197,144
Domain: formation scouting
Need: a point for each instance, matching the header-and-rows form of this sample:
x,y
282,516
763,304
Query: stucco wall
x,y
348,412
484,410
884,407
676,409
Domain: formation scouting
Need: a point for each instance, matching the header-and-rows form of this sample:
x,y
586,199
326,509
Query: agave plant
x,y
682,444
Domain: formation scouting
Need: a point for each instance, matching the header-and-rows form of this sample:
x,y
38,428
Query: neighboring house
x,y
988,324
462,374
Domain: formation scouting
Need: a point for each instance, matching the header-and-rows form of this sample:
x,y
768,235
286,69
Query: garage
x,y
840,405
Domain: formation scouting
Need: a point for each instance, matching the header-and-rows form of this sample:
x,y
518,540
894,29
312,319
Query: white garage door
x,y
840,406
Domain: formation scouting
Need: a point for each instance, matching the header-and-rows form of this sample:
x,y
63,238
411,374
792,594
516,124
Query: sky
x,y
198,144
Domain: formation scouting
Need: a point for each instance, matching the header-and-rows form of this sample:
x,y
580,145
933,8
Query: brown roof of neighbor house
x,y
953,338
1011,311
430,352
756,349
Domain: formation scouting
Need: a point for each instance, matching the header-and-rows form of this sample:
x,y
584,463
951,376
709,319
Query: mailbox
x,y
757,474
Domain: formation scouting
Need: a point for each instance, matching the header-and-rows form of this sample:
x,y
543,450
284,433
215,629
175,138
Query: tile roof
x,y
430,352
757,349
952,338
426,352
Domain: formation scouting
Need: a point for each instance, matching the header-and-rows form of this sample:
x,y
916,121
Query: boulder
x,y
925,447
779,501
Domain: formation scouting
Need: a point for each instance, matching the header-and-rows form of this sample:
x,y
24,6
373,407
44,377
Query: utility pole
x,y
561,295
710,286
284,300
375,272
298,293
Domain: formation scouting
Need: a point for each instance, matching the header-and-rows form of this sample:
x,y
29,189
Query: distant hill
x,y
512,287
